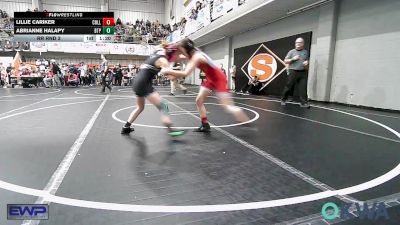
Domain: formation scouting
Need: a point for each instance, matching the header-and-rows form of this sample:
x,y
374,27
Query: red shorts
x,y
217,86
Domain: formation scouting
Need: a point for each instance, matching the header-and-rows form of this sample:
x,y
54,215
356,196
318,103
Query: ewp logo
x,y
263,64
27,212
331,211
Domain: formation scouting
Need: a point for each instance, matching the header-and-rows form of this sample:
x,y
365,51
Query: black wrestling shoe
x,y
127,130
184,92
305,105
205,128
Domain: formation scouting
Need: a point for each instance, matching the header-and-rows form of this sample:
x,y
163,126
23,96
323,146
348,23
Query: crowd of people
x,y
6,22
125,31
48,74
141,31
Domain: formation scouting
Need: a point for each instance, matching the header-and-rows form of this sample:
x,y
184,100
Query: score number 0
x,y
108,25
108,22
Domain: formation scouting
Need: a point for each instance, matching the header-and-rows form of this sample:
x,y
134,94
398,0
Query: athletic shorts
x,y
143,84
217,86
143,90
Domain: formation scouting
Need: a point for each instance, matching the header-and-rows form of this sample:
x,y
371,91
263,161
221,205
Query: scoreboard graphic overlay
x,y
64,26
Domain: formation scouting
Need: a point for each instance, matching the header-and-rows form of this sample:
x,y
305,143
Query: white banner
x,y
55,46
175,36
38,47
116,49
203,17
129,49
102,48
221,7
88,47
232,4
188,9
92,47
71,47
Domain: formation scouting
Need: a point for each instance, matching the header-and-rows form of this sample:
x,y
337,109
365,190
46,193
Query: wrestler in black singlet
x,y
143,85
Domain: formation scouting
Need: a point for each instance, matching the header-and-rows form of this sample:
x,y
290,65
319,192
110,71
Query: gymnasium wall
x,y
72,5
130,10
177,11
127,10
366,57
353,51
11,6
222,50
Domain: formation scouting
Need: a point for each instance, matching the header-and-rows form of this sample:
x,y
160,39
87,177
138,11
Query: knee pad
x,y
163,107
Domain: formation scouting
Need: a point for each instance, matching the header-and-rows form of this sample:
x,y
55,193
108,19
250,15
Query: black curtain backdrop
x,y
280,48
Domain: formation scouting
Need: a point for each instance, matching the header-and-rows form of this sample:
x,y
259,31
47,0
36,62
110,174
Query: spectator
x,y
92,76
175,83
98,74
56,71
253,82
126,77
73,80
85,80
106,80
233,76
3,75
118,75
65,71
48,78
221,66
148,24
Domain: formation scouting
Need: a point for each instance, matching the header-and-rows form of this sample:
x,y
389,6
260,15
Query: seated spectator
x,y
73,80
253,82
126,77
48,79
